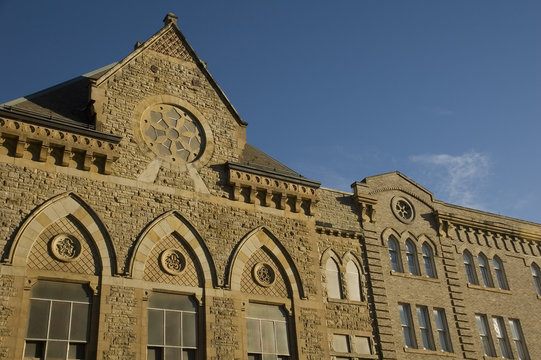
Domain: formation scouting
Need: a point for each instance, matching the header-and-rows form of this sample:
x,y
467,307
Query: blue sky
x,y
446,92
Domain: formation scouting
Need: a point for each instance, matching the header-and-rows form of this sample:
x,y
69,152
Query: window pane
x,y
188,354
394,255
172,354
154,354
361,345
79,322
39,319
172,328
76,351
155,327
282,343
60,320
57,350
262,311
33,350
171,301
340,343
189,330
268,339
253,335
46,289
333,280
353,282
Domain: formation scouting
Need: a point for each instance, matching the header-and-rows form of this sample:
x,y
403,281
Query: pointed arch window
x,y
536,273
470,268
484,268
394,255
428,261
353,277
411,257
334,289
500,273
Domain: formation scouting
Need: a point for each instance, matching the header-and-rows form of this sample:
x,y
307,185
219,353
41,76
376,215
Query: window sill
x,y
496,290
429,352
417,277
353,355
539,297
345,301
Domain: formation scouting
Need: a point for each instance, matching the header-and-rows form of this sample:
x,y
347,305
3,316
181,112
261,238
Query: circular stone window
x,y
172,261
402,209
173,133
65,248
263,274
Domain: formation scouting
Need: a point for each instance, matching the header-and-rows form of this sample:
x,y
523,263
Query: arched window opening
x,y
500,273
411,257
394,255
172,327
58,325
470,268
353,282
536,273
267,332
484,268
334,289
428,260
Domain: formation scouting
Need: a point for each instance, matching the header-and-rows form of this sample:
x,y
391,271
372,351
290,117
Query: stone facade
x,y
148,205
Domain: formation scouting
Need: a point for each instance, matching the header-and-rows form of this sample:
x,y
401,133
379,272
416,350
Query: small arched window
x,y
334,290
394,255
536,273
484,268
411,256
500,273
470,268
428,260
353,278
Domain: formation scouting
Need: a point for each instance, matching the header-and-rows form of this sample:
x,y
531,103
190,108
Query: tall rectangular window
x,y
518,339
484,333
266,329
425,327
407,325
443,330
172,327
501,335
58,322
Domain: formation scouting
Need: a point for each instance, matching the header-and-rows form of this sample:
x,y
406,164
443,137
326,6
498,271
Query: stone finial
x,y
170,18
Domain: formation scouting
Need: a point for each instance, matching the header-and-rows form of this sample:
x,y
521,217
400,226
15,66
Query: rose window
x,y
65,247
402,209
172,261
172,133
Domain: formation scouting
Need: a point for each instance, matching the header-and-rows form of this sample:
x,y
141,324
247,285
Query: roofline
x,y
273,174
192,52
56,123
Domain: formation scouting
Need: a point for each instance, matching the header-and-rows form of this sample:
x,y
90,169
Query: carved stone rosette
x,y
403,209
263,274
172,261
65,248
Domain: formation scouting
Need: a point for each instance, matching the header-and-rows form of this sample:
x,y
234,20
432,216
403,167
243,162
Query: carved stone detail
x,y
65,247
264,275
172,261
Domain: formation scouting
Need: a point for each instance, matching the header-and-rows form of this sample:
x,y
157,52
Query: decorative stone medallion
x,y
65,248
172,261
263,274
402,209
172,133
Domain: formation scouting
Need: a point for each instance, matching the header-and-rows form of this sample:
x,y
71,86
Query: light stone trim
x,y
253,241
69,143
166,224
50,212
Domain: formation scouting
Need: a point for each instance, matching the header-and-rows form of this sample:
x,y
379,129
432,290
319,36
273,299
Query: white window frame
x,y
442,329
425,327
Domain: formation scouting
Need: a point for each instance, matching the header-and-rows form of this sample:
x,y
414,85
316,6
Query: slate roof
x,y
67,101
254,157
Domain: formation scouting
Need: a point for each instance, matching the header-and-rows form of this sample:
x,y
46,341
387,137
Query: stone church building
x,y
138,222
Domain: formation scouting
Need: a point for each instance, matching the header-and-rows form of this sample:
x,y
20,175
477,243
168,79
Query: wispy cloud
x,y
458,177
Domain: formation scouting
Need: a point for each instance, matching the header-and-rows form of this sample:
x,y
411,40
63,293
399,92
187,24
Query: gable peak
x,y
170,18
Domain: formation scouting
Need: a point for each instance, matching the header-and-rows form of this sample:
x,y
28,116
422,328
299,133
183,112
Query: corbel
x,y
236,192
88,159
298,202
21,146
268,197
253,194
